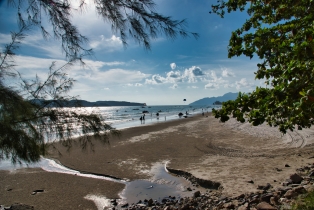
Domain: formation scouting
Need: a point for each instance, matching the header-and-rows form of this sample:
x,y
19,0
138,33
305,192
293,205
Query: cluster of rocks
x,y
265,198
208,184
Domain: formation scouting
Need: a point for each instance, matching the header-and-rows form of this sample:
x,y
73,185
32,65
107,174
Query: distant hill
x,y
83,103
211,100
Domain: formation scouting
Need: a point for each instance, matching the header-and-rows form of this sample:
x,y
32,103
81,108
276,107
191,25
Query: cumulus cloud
x,y
227,73
212,86
156,79
106,88
193,74
111,44
215,82
174,86
243,83
174,74
173,65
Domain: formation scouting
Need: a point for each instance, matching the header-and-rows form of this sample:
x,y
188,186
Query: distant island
x,y
83,103
212,100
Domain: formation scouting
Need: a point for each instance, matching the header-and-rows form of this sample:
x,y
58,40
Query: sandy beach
x,y
230,153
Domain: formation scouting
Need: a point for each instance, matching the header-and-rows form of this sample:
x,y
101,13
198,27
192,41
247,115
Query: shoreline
x,y
230,153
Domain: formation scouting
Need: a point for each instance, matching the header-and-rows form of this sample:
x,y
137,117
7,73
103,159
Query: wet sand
x,y
230,153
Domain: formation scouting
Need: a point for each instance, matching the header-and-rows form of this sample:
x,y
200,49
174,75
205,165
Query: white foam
x,y
100,201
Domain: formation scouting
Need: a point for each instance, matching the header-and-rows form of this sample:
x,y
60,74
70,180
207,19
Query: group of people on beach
x,y
142,117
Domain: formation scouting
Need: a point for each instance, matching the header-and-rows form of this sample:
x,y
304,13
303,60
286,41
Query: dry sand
x,y
230,153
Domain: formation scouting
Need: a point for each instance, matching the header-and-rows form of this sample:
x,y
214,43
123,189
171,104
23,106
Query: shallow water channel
x,y
160,186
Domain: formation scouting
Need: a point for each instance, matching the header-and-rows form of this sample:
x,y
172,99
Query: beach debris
x,y
36,191
251,181
287,165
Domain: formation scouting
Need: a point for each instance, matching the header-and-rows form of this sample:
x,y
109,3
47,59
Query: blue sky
x,y
171,71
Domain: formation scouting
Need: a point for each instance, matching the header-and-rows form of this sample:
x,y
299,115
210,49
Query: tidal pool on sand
x,y
160,186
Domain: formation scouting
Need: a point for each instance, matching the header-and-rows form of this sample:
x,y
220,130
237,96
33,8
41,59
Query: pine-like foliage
x,y
27,121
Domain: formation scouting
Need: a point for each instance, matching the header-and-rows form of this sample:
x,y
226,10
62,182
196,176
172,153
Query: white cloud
x,y
173,65
117,76
215,82
106,88
156,79
174,86
5,38
48,48
228,86
31,66
114,63
193,74
111,44
227,73
174,74
212,86
91,75
134,85
243,83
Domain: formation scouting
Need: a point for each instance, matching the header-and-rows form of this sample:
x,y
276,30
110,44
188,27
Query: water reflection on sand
x,y
161,185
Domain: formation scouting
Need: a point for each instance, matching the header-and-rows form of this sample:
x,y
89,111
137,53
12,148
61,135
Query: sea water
x,y
129,116
121,117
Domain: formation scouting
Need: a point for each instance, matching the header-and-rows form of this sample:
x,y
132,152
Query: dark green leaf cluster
x,y
281,34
